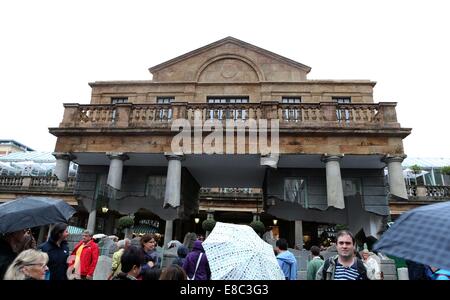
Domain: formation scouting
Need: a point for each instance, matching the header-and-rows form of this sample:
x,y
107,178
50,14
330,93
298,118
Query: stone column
x,y
397,184
115,169
209,216
62,165
299,234
335,193
168,233
173,181
92,220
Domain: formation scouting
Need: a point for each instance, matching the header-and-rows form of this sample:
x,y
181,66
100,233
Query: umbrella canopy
x,y
421,235
236,252
30,212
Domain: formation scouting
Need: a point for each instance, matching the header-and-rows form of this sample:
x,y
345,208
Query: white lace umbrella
x,y
236,252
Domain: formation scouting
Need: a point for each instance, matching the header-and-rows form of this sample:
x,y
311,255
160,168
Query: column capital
x,y
174,156
393,158
64,155
331,157
117,155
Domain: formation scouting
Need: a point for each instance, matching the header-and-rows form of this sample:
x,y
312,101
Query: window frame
x,y
304,182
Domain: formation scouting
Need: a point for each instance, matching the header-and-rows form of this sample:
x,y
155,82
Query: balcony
x,y
302,116
30,184
428,193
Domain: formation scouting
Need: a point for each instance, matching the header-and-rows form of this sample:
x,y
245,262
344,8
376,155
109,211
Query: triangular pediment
x,y
229,60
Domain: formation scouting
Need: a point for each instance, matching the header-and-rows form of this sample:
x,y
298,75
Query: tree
x,y
208,225
416,169
445,170
125,223
258,227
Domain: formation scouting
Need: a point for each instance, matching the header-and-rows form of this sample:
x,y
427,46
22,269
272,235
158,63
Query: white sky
x,y
50,50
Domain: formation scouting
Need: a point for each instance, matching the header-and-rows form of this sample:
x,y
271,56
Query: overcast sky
x,y
50,50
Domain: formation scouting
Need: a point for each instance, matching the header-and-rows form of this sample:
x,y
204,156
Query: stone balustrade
x,y
324,114
35,183
428,192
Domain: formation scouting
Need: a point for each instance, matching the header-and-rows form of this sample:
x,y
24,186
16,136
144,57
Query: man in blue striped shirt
x,y
344,266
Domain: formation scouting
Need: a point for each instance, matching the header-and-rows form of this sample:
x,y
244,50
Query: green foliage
x,y
416,169
258,227
341,227
125,222
445,170
208,224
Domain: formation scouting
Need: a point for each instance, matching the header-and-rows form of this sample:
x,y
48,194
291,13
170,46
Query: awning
x,y
143,229
75,230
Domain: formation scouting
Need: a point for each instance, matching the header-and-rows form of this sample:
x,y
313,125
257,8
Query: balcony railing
x,y
325,114
35,183
428,192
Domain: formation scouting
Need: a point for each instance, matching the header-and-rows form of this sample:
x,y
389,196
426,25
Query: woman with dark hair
x,y
148,248
173,272
58,251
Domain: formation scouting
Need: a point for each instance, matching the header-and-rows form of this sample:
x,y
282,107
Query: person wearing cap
x,y
372,266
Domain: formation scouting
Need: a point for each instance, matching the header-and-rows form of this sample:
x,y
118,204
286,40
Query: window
x,y
165,113
352,187
156,187
117,100
295,191
229,113
342,114
291,100
342,100
165,100
227,99
291,114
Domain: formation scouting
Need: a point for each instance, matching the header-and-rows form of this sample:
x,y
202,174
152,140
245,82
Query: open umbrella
x,y
421,235
30,212
236,252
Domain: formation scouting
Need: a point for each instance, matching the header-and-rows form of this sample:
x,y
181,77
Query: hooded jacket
x,y
288,264
203,270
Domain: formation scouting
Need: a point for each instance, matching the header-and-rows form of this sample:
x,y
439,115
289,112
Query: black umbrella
x,y
30,212
421,235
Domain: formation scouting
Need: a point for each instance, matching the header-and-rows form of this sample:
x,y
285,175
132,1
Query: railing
x,y
11,181
428,192
322,114
35,183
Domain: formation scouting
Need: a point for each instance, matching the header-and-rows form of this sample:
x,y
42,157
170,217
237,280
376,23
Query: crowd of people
x,y
138,259
133,259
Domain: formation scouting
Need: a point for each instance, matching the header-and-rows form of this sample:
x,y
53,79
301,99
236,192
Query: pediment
x,y
229,60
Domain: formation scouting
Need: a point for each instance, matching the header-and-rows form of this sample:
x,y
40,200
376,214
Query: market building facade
x,y
329,143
